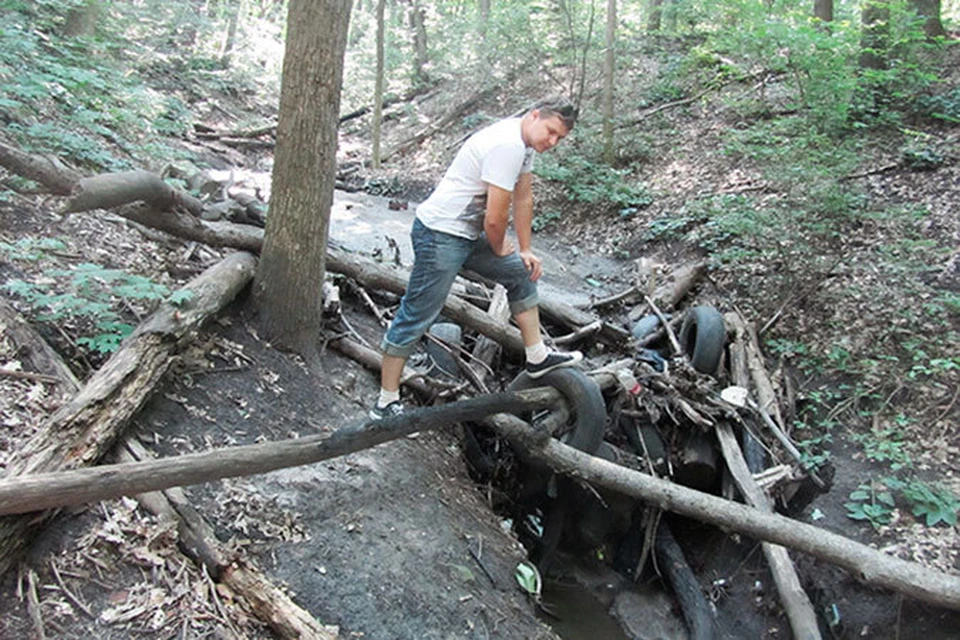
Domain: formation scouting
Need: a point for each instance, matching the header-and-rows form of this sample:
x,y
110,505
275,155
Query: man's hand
x,y
532,263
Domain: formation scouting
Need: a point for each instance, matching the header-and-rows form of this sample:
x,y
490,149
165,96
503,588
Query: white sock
x,y
536,353
386,397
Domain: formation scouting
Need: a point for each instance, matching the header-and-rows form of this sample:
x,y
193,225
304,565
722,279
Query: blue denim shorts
x,y
438,258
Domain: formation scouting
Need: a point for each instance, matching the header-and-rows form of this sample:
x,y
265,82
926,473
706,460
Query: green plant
x,y
944,106
934,504
887,444
90,295
871,502
544,220
587,182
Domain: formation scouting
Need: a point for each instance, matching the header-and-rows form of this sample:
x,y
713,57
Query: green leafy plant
x,y
872,503
887,444
587,182
91,295
932,504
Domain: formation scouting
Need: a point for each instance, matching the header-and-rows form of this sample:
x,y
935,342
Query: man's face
x,y
544,133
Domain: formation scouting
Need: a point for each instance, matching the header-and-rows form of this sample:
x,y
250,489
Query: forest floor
x,y
398,541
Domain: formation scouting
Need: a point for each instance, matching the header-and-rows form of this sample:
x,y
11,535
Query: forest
x,y
190,322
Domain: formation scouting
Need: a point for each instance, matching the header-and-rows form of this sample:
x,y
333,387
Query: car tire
x,y
702,338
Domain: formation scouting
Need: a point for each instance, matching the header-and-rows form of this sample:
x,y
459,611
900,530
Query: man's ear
x,y
535,113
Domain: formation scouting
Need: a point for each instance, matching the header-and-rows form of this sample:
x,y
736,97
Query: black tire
x,y
451,334
585,400
589,419
702,337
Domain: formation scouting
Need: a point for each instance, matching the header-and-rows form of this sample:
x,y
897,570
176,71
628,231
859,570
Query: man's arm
x,y
496,220
523,223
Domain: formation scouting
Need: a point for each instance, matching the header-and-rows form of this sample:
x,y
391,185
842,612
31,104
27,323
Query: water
x,y
578,614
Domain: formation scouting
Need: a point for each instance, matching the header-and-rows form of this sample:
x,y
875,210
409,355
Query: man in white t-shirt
x,y
463,224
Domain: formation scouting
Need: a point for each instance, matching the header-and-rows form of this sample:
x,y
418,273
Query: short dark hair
x,y
560,108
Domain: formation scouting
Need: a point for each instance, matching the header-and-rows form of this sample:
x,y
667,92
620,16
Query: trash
x,y
528,577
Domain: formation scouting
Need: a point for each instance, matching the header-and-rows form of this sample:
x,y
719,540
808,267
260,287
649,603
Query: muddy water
x,y
576,614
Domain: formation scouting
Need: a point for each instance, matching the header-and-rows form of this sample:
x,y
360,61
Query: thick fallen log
x,y
46,170
268,602
199,542
110,190
81,431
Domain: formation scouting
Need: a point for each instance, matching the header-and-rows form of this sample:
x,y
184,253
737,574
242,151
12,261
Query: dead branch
x,y
803,620
674,343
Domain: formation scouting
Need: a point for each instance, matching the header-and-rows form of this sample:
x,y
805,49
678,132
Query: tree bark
x,y
609,69
693,604
823,10
929,10
80,432
803,620
378,88
288,281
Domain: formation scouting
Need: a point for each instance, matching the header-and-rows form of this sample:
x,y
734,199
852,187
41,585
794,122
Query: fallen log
x,y
21,494
110,190
272,605
38,491
693,604
47,170
199,542
81,431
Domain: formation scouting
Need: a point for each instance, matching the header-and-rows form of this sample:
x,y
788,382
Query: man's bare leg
x,y
539,360
388,404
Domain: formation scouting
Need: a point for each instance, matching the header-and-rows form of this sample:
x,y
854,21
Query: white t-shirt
x,y
494,155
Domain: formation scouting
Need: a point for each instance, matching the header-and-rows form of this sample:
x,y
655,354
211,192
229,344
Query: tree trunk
x,y
929,10
654,15
289,280
80,432
378,87
875,34
418,23
823,10
609,68
230,39
82,19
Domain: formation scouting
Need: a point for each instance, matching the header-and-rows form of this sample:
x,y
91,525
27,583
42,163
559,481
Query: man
x,y
463,224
